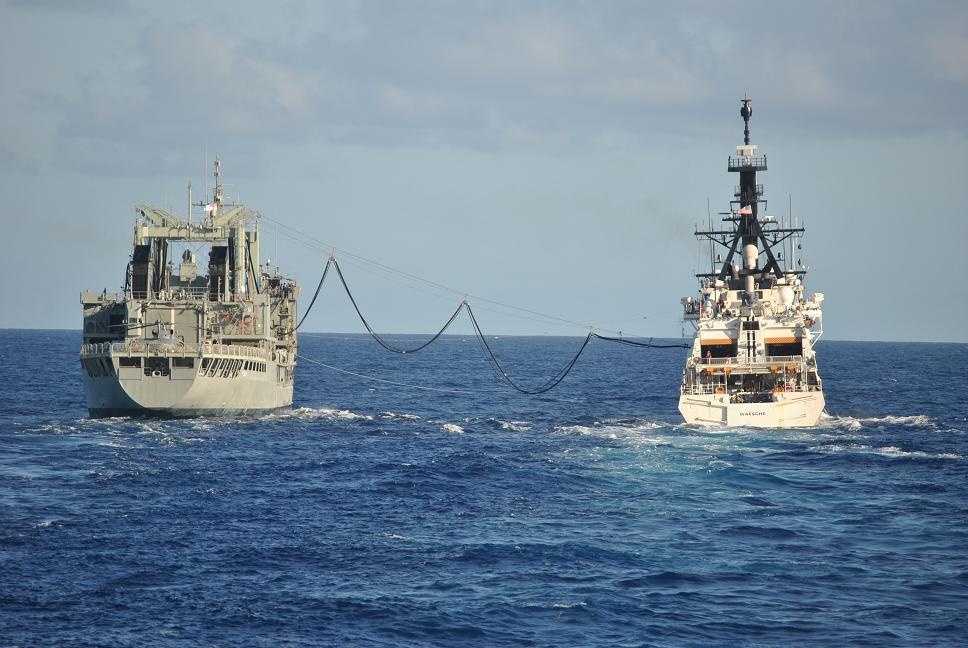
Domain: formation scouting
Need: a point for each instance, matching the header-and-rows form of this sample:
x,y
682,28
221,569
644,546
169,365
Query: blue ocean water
x,y
376,514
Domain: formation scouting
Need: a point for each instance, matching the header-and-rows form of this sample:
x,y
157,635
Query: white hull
x,y
793,409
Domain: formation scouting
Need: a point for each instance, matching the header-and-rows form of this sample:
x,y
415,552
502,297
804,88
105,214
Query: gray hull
x,y
212,386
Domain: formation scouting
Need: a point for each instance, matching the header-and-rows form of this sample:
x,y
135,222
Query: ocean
x,y
440,508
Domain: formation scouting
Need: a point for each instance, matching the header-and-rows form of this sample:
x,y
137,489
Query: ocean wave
x,y
885,451
611,428
402,417
853,423
451,427
514,426
327,413
554,605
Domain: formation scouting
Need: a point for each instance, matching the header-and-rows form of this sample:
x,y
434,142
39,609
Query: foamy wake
x,y
329,414
555,605
400,417
885,451
856,423
612,429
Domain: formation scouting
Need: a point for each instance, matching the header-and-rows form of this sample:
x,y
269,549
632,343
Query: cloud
x,y
949,55
541,75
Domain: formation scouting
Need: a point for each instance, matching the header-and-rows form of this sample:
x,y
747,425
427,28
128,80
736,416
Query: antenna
x,y
746,112
218,186
790,219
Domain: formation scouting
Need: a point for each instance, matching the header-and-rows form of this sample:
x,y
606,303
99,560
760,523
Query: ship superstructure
x,y
181,340
752,361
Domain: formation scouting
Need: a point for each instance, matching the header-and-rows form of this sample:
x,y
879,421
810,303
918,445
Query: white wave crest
x,y
330,414
885,451
515,426
611,429
855,423
403,417
451,427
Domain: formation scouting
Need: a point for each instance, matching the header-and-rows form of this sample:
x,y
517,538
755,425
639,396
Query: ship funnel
x,y
750,253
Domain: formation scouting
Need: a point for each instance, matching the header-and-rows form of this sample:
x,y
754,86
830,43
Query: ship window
x,y
785,349
116,325
128,361
159,365
719,350
183,362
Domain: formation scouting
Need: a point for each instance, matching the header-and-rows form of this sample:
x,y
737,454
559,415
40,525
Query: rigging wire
x,y
548,385
382,380
310,241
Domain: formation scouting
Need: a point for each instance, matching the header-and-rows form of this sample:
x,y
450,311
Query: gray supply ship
x,y
180,342
752,361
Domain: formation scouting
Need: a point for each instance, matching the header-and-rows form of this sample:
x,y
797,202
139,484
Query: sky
x,y
551,156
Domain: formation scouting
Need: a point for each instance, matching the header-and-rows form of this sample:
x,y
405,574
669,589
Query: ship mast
x,y
747,235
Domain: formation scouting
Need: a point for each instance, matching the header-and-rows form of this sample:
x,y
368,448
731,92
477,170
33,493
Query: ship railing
x,y
759,187
711,388
169,346
235,350
765,361
192,293
172,347
757,162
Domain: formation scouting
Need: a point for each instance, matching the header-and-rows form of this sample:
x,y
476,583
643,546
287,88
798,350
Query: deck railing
x,y
705,389
166,347
765,361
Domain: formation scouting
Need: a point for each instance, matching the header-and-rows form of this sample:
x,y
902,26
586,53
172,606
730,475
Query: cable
x,y
376,336
648,345
548,385
310,241
329,262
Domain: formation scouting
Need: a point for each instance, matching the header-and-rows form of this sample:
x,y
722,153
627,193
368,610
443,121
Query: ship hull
x,y
187,395
788,410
